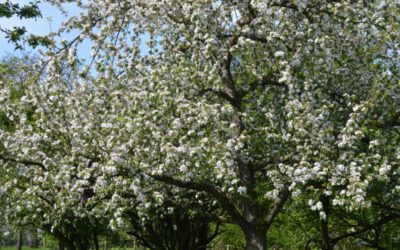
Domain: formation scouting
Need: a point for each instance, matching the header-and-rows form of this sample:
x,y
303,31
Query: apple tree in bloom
x,y
65,154
249,103
44,183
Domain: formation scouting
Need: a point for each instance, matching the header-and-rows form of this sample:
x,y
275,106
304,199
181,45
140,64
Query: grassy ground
x,y
23,248
40,248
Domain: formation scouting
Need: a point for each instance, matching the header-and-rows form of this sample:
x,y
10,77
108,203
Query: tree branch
x,y
219,93
229,57
277,206
366,228
209,189
386,207
25,162
267,80
287,4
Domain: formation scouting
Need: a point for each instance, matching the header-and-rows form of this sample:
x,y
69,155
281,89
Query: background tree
x,y
15,71
30,199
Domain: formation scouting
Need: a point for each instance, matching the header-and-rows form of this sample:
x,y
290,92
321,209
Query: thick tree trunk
x,y
255,240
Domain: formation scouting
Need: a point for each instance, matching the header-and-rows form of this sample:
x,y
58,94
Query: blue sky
x,y
51,20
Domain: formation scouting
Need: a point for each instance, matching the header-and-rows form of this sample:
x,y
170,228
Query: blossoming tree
x,y
247,102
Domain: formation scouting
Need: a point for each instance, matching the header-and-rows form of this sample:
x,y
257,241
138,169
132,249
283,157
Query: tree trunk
x,y
19,240
325,244
325,236
255,240
33,239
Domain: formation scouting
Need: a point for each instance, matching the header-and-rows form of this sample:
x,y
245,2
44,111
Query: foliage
x,y
231,237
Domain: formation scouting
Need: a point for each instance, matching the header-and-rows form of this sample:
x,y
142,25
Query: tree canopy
x,y
251,106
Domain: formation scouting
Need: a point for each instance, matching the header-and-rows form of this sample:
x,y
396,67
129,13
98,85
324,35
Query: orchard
x,y
279,118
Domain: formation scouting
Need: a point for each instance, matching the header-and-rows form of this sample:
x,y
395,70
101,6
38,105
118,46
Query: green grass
x,y
41,248
23,248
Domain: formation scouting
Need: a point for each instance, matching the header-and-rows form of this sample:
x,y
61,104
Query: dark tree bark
x,y
325,244
19,240
326,241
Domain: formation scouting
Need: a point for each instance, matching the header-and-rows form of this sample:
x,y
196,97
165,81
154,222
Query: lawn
x,y
41,248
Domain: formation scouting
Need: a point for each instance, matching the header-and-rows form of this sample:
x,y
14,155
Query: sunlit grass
x,y
42,248
23,248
